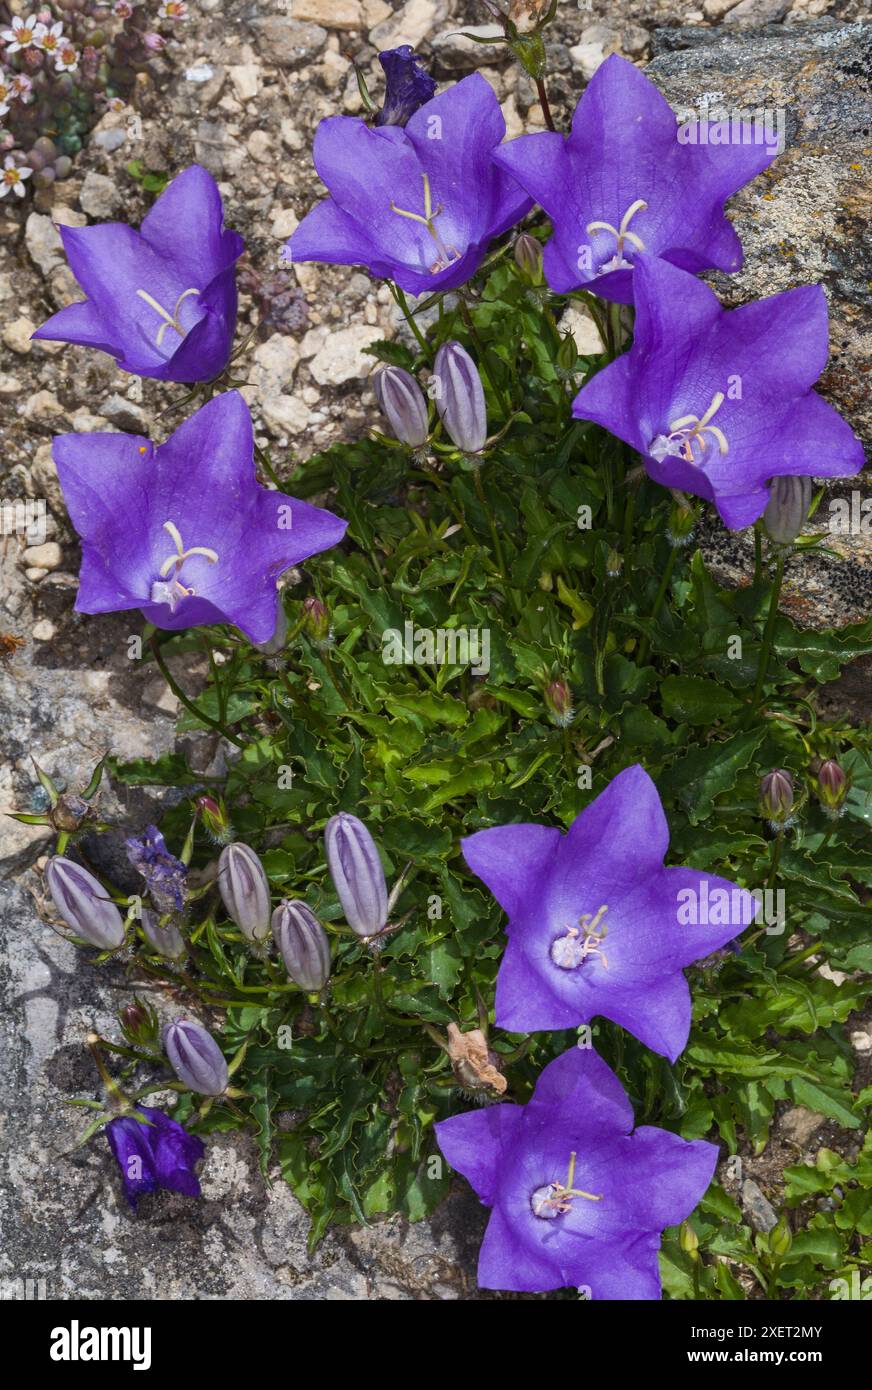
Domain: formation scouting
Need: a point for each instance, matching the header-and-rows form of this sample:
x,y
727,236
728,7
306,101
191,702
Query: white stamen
x,y
447,256
572,950
621,234
169,320
687,428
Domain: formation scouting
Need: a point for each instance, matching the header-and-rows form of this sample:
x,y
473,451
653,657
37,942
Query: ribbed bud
x,y
776,795
303,945
317,620
787,509
402,401
213,815
460,397
832,784
84,904
195,1057
558,702
528,258
244,889
357,874
165,940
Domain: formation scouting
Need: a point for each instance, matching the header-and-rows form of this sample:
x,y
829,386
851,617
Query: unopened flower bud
x,y
833,786
780,1238
84,904
139,1023
787,509
303,945
195,1057
528,258
460,397
614,563
776,796
357,873
166,940
567,354
679,527
402,401
317,622
215,820
688,1239
558,702
244,889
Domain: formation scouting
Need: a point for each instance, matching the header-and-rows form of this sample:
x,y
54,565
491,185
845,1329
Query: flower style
x,y
719,401
579,1198
165,875
13,176
22,34
183,530
418,205
161,300
154,1152
407,85
623,182
48,37
596,924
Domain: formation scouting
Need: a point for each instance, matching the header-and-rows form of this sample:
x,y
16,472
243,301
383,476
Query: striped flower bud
x,y
402,401
787,509
776,795
84,904
244,889
195,1057
357,874
165,940
528,258
303,945
460,397
832,785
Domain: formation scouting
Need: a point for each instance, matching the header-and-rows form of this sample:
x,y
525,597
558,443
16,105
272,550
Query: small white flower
x,y
13,177
67,58
21,86
172,9
48,38
6,93
21,35
122,9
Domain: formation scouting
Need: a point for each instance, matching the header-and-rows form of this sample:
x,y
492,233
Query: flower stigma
x,y
555,1198
683,431
446,256
170,320
621,234
169,589
572,950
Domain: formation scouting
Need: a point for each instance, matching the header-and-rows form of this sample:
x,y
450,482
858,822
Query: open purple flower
x,y
183,530
596,924
161,300
578,1198
407,85
156,1154
623,182
719,401
417,205
165,875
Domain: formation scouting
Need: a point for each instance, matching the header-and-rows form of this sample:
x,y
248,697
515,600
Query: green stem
x,y
775,859
401,300
658,602
544,103
768,636
629,511
189,704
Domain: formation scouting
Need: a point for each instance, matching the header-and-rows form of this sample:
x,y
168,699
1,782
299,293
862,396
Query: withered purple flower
x,y
164,874
407,85
154,1152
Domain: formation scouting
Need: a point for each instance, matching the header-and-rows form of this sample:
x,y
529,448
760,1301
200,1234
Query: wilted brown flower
x,y
472,1061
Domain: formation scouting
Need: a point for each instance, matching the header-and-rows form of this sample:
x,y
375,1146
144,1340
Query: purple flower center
x,y
556,1198
446,255
169,588
687,436
577,944
170,320
622,235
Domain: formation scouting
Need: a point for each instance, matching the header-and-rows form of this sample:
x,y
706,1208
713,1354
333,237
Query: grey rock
x,y
124,414
100,196
287,43
757,1207
757,12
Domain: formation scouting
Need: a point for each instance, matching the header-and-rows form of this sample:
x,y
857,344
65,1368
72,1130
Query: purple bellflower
x,y
164,874
161,300
183,530
579,1199
159,1153
597,925
407,85
719,401
623,182
418,205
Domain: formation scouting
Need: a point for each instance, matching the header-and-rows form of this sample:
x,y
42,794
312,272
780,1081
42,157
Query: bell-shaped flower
x,y
154,1152
719,401
597,925
420,204
161,300
579,1198
183,530
627,179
